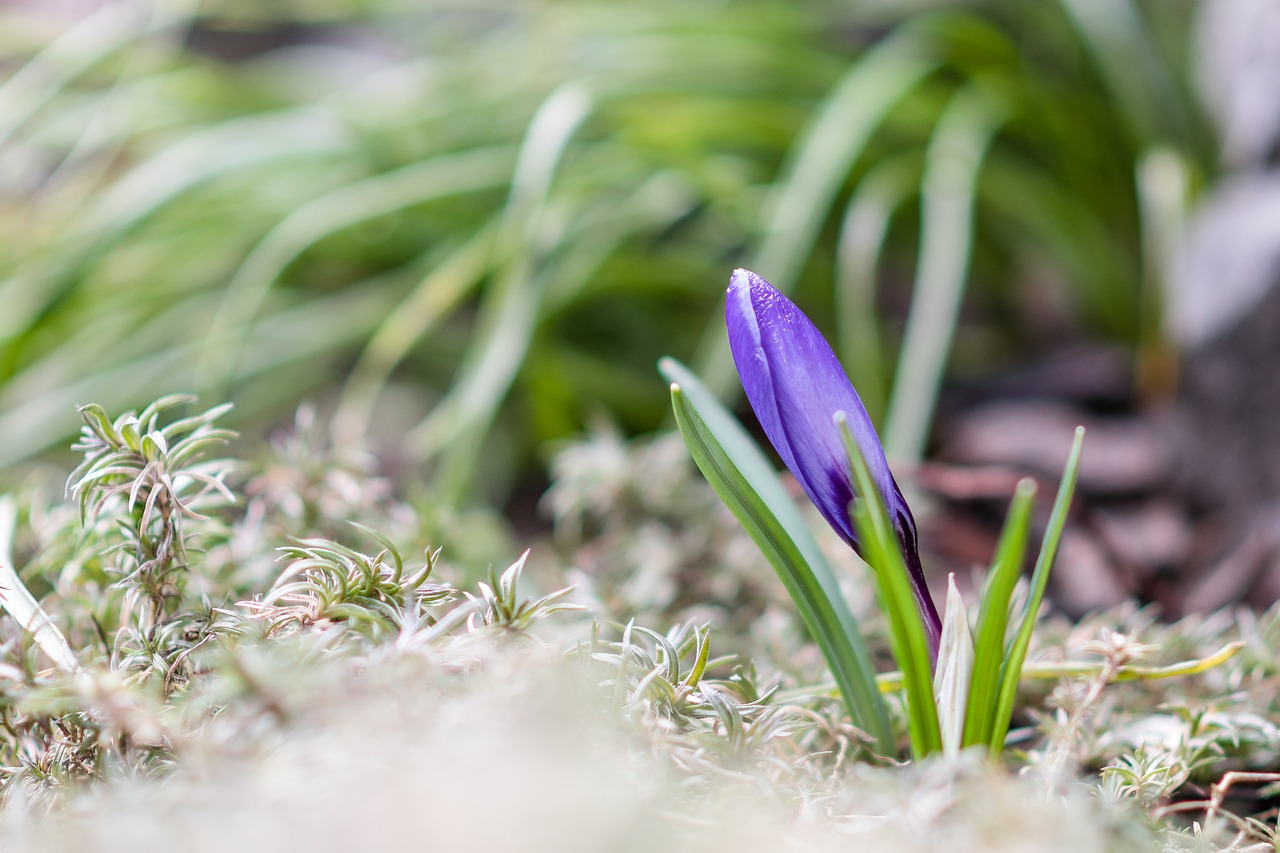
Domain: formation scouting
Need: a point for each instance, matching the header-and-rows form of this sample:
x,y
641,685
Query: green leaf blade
x,y
993,616
907,635
1011,672
746,482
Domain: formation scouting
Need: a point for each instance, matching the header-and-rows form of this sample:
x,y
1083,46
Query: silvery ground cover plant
x,y
182,664
951,522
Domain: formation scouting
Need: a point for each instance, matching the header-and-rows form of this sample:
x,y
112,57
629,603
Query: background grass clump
x,y
485,222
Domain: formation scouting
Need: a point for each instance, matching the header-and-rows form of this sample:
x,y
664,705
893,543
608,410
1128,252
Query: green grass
x,y
502,217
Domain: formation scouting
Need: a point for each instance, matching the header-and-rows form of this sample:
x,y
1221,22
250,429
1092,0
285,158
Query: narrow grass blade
x,y
955,156
200,157
439,177
1133,672
893,589
438,293
993,615
892,682
1163,184
1039,210
1011,672
818,166
282,351
833,143
1139,80
510,310
862,237
745,481
111,28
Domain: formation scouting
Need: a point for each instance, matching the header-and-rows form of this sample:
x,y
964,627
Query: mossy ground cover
x,y
310,666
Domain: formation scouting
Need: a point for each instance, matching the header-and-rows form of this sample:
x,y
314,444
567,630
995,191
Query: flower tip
x,y
744,278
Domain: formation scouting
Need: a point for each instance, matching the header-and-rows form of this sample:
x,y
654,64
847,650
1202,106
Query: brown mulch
x,y
1173,507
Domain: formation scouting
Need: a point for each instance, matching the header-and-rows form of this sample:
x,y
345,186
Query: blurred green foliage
x,y
478,225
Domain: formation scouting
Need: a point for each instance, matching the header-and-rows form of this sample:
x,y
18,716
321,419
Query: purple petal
x,y
796,385
749,356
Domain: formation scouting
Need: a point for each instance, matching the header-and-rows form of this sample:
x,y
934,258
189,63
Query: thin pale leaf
x,y
18,601
955,668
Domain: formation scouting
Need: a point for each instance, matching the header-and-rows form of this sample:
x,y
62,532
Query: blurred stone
x,y
1093,375
1083,578
1267,591
966,483
1239,46
1232,577
1229,412
956,541
1149,537
1230,260
1121,456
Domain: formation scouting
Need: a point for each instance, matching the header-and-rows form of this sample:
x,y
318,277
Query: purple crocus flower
x,y
796,386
